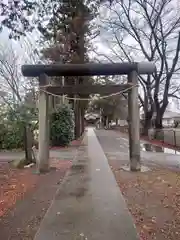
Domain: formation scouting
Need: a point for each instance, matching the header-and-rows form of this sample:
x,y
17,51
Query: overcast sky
x,y
24,47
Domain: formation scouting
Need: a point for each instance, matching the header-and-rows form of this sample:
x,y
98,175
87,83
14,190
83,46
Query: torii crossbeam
x,y
89,69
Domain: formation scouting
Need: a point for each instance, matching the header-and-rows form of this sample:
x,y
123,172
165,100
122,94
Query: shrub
x,y
62,126
14,121
12,135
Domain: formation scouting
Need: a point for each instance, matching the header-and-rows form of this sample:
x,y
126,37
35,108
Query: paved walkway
x,y
116,147
88,205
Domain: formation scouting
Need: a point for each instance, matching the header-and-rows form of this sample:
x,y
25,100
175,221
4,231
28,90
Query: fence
x,y
170,136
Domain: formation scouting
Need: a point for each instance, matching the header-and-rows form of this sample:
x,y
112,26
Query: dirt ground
x,y
153,199
25,198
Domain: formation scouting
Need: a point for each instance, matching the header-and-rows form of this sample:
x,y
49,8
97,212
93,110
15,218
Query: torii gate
x,y
89,69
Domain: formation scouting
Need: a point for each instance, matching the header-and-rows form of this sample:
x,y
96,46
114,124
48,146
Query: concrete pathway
x,y
116,144
89,204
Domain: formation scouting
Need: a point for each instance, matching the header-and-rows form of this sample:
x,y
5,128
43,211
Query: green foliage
x,y
16,16
13,121
109,107
62,126
12,135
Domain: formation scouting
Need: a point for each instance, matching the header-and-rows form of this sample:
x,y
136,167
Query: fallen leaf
x,y
148,229
153,219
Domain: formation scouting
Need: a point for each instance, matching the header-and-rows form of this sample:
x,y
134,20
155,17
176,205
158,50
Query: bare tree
x,y
11,80
137,30
9,73
17,93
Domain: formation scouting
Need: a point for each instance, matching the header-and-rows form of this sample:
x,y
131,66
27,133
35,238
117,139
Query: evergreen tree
x,y
68,32
65,27
22,16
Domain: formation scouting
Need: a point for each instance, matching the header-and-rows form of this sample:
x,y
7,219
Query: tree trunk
x,y
28,144
77,130
116,121
104,121
82,121
107,123
159,134
147,123
158,121
146,126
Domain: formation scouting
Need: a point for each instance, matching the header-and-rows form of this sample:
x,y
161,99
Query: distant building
x,y
92,117
168,118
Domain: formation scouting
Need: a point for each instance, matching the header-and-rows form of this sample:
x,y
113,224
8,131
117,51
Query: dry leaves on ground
x,y
153,199
14,183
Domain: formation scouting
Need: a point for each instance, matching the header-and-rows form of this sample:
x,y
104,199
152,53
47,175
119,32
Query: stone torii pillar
x,y
134,123
43,154
134,115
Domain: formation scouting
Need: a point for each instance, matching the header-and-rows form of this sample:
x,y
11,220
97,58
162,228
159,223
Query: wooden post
x,y
77,127
43,156
29,143
134,135
107,120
